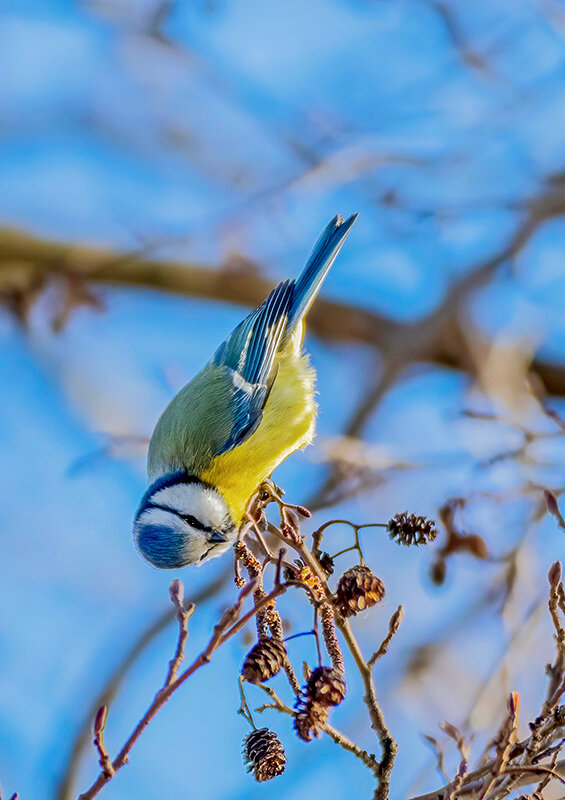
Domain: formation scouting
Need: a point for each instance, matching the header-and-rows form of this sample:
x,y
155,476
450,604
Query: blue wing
x,y
249,352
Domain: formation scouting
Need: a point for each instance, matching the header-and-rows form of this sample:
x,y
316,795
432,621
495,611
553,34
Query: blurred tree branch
x,y
468,54
28,264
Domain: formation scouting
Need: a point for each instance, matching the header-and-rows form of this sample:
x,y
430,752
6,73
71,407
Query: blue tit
x,y
225,432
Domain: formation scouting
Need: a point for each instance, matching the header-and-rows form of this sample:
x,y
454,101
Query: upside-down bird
x,y
225,432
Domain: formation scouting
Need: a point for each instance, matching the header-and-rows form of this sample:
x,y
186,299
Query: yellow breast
x,y
288,424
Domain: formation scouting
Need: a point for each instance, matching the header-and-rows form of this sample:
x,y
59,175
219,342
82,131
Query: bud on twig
x,y
99,724
176,593
396,619
100,720
453,732
554,574
553,506
551,502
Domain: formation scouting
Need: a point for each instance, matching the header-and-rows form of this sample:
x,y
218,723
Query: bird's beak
x,y
217,536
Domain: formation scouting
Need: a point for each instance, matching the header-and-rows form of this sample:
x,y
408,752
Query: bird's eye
x,y
193,521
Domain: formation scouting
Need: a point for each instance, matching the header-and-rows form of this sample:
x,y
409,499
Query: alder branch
x,y
66,787
389,747
337,737
227,627
516,763
393,627
310,578
26,260
513,762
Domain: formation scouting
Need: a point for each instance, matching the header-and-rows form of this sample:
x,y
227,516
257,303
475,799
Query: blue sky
x,y
245,133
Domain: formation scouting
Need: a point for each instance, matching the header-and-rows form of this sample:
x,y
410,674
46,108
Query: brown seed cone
x,y
325,687
264,660
309,718
264,754
409,529
357,589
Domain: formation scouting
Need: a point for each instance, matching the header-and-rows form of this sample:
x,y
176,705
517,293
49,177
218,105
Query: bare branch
x,y
229,624
66,788
393,627
99,724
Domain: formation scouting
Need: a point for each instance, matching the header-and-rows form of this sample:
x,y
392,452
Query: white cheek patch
x,y
193,498
159,516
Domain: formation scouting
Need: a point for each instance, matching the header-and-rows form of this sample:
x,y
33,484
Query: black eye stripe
x,y
186,517
194,522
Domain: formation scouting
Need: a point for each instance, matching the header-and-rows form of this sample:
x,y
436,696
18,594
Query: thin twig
x,y
66,788
176,592
227,627
244,709
393,627
103,758
389,747
337,736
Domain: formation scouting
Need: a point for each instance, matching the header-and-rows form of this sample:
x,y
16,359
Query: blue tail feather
x,y
317,267
248,354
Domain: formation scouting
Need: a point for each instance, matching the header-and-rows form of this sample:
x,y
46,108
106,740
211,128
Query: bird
x,y
250,407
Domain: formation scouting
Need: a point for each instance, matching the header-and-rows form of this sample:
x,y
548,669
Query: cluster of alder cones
x,y
325,688
357,589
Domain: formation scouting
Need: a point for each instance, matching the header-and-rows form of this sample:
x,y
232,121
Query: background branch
x,y
28,262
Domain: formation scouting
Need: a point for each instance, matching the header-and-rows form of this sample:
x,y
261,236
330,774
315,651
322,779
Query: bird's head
x,y
181,521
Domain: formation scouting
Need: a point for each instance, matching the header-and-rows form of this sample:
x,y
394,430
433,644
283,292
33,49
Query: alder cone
x,y
325,686
410,529
264,754
358,589
264,660
308,720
